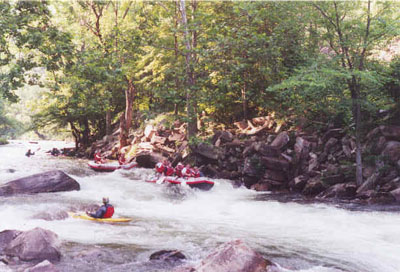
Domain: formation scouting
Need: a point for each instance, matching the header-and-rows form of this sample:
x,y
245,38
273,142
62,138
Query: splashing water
x,y
306,238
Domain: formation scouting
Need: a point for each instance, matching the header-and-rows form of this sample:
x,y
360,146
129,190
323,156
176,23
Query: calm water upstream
x,y
299,237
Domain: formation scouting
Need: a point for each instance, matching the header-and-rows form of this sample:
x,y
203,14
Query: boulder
x,y
251,166
332,179
226,137
275,175
298,183
148,160
275,164
313,187
392,151
341,190
390,132
267,150
209,171
168,255
149,131
369,184
92,255
234,256
206,150
44,266
334,132
396,194
329,144
50,215
281,140
51,181
6,237
302,148
35,245
313,162
260,187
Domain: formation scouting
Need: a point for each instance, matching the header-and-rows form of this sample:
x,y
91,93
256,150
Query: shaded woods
x,y
108,65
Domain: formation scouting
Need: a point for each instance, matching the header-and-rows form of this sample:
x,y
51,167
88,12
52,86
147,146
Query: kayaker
x,y
105,211
29,153
55,151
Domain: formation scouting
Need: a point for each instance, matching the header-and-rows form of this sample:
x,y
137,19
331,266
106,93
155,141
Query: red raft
x,y
201,183
110,166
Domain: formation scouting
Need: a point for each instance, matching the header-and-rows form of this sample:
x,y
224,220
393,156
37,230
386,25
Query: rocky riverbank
x,y
262,156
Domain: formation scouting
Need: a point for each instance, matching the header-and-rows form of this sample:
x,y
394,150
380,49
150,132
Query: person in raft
x,y
122,159
189,172
105,211
97,157
164,168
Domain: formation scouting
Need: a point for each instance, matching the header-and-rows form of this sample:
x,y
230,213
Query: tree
x,y
352,31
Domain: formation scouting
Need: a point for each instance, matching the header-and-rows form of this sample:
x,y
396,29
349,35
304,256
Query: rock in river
x,y
51,181
34,245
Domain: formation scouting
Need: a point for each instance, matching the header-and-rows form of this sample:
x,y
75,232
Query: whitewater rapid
x,y
299,237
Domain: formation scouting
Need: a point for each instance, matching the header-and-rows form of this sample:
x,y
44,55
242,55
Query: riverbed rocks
x,y
232,256
171,256
260,154
34,245
51,181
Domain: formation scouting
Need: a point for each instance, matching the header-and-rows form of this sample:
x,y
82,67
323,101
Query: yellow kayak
x,y
105,220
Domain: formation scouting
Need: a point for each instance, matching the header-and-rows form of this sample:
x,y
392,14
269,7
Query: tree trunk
x,y
177,84
108,122
356,108
126,119
76,135
192,123
86,132
244,101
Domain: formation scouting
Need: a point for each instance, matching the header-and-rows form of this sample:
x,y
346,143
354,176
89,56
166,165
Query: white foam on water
x,y
326,238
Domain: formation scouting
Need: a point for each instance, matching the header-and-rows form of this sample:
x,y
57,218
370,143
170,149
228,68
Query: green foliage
x,y
3,141
248,59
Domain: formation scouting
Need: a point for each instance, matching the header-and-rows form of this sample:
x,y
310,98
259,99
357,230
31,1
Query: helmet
x,y
105,200
160,167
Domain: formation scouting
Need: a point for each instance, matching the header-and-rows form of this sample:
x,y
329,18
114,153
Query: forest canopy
x,y
108,64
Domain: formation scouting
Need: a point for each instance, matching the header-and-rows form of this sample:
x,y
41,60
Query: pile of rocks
x,y
258,154
321,166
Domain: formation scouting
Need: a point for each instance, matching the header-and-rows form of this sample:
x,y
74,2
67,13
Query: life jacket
x,y
97,157
168,171
187,172
122,159
178,170
196,173
109,211
160,167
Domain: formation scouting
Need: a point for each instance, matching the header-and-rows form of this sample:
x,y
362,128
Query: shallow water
x,y
299,237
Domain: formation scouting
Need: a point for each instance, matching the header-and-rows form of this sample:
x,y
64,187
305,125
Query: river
x,y
299,237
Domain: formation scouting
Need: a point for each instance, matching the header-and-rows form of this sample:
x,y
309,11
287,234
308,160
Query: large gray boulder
x,y
234,256
35,245
149,160
6,237
51,181
281,140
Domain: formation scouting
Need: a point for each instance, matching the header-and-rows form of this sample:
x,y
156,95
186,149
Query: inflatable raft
x,y
110,166
201,183
104,220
